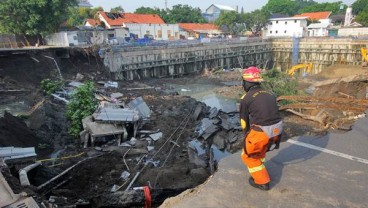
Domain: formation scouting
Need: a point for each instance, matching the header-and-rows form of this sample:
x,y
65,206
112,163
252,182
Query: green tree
x,y
362,17
359,6
256,20
185,14
117,9
332,7
147,10
77,15
288,7
33,17
229,20
81,105
302,3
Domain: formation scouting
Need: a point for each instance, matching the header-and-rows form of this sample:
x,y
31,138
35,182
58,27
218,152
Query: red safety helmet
x,y
252,74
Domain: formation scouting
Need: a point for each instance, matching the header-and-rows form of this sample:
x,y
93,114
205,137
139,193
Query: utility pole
x,y
166,4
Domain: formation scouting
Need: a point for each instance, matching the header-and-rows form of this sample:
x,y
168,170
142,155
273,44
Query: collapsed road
x,y
114,161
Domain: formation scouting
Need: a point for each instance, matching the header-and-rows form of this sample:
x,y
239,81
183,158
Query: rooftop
x,y
315,15
198,26
118,19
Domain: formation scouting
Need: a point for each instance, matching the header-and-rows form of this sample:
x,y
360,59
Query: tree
x,y
359,6
229,20
147,10
302,3
288,7
185,14
362,17
77,15
117,9
256,20
332,7
33,17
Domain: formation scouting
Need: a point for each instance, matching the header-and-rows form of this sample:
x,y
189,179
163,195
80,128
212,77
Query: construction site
x,y
166,131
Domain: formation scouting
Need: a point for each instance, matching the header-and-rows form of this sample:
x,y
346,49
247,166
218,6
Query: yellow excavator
x,y
307,67
364,55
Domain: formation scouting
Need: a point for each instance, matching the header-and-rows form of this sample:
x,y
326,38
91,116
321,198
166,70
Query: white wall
x,y
212,9
318,32
73,38
289,28
351,31
159,31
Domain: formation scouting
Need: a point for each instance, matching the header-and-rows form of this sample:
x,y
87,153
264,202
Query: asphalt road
x,y
329,171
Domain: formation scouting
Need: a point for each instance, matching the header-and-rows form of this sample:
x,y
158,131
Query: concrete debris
x,y
141,106
230,122
207,127
213,113
111,84
153,162
232,137
11,200
116,115
116,95
75,84
58,97
13,155
156,136
125,175
197,111
196,154
150,148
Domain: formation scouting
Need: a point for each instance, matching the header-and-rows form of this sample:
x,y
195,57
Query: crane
x,y
307,66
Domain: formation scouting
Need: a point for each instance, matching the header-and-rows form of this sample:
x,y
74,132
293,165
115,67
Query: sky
x,y
131,5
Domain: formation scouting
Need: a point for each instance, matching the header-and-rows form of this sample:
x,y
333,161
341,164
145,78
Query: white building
x,y
318,29
214,11
286,27
321,22
157,31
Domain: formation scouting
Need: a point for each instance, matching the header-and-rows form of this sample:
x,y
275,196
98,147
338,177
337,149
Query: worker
x,y
262,126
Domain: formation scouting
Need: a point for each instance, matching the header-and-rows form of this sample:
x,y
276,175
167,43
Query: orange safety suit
x,y
258,109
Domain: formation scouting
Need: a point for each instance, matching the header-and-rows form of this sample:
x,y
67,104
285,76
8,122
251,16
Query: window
x,y
285,31
168,33
147,32
285,23
277,31
159,32
295,21
270,31
111,35
277,22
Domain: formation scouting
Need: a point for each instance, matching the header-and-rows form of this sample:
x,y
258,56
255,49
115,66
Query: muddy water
x,y
206,93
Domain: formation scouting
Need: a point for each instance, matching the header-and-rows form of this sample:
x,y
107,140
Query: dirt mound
x,y
14,132
340,71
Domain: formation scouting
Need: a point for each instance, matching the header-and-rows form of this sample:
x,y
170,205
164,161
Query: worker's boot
x,y
264,187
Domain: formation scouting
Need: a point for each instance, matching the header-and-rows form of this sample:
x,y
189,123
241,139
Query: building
x,y
321,22
214,11
116,20
155,31
199,30
286,27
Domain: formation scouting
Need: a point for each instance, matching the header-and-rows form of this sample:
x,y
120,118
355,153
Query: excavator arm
x,y
308,68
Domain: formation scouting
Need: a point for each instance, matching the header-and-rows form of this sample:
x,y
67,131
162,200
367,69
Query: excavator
x,y
364,55
307,67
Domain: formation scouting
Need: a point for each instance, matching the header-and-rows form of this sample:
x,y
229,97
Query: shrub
x,y
280,83
50,86
81,105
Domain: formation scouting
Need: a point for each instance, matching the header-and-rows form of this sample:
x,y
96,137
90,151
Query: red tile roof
x,y
315,15
118,19
93,22
198,26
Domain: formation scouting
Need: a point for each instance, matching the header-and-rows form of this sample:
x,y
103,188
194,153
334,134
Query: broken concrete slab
x,y
230,122
156,136
141,106
17,155
207,127
97,129
213,113
116,115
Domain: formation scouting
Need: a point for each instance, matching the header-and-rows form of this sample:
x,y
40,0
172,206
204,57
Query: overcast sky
x,y
131,5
